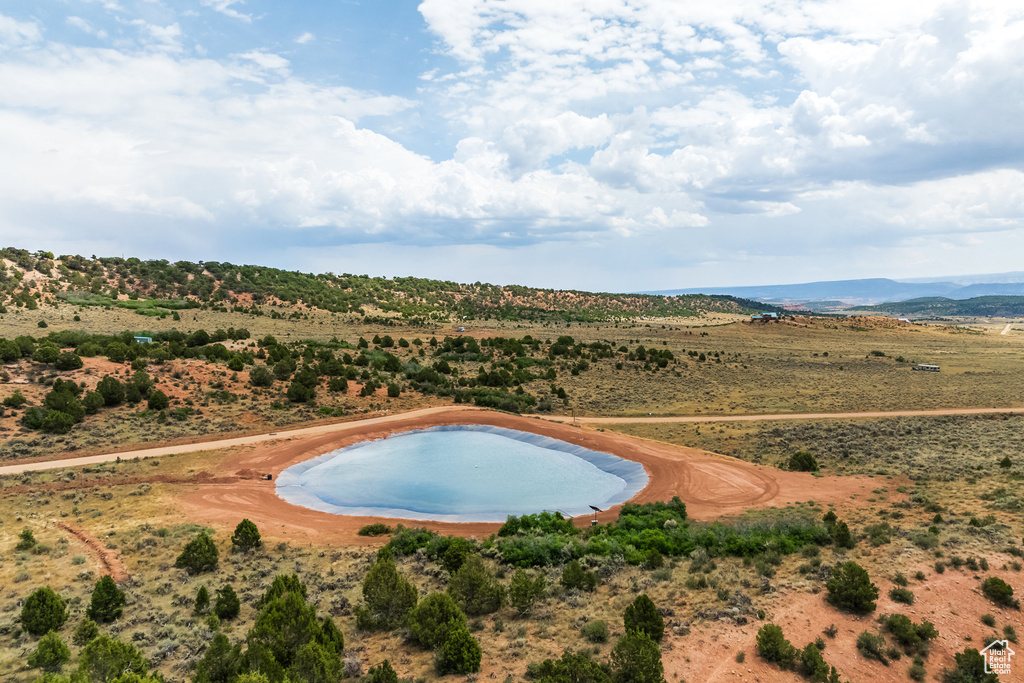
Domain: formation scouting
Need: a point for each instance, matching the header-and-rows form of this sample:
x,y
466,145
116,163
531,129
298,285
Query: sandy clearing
x,y
711,485
951,601
1006,330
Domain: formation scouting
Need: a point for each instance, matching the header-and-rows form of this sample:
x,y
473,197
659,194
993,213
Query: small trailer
x,y
926,368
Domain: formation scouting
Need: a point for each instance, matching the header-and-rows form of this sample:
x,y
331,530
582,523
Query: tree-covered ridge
x,y
28,277
981,306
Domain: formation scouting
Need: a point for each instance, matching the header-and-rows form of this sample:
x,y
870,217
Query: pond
x,y
461,473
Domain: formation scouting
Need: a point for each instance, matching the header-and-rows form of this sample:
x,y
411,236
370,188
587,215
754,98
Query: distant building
x,y
763,317
927,368
143,340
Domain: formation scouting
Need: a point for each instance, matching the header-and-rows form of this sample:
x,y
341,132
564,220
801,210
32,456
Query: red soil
x,y
110,562
709,484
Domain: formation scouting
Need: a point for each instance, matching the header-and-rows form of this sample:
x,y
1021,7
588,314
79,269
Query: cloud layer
x,y
658,143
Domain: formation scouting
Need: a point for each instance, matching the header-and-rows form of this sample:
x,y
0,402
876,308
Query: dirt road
x,y
343,427
781,416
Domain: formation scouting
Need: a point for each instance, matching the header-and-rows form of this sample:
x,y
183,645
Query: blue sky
x,y
593,144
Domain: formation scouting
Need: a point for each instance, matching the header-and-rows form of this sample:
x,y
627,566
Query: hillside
x,y
982,306
160,287
870,291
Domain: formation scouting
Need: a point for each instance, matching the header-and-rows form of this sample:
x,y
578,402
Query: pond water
x,y
462,473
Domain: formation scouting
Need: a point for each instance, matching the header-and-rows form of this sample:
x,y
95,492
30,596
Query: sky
x,y
610,145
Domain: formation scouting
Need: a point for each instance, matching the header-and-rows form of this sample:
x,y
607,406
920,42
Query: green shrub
x,y
872,646
812,665
388,595
637,659
458,654
85,632
988,620
969,667
802,461
475,588
43,611
199,555
315,664
282,584
377,529
595,631
574,576
221,661
107,603
382,673
452,552
773,647
643,616
26,540
433,619
917,671
914,638
850,588
524,591
903,595
571,668
246,537
999,592
50,655
106,659
841,535
202,602
227,605
286,625
157,400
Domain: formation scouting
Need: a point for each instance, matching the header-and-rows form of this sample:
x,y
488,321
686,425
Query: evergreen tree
x,y
850,588
50,655
524,591
283,583
43,611
637,659
202,600
199,555
458,654
389,596
107,601
227,605
382,673
283,626
574,576
433,618
111,389
246,537
475,588
158,400
107,659
85,632
314,664
643,616
220,662
773,646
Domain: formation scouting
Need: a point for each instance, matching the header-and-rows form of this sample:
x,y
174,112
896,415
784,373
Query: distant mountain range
x,y
941,307
844,293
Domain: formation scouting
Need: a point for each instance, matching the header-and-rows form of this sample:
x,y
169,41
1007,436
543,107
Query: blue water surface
x,y
464,473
